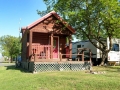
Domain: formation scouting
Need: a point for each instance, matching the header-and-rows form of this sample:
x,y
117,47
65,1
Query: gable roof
x,y
46,16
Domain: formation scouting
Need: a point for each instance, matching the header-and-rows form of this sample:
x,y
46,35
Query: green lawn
x,y
18,79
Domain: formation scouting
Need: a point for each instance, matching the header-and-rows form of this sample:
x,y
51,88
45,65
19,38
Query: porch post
x,y
30,44
70,45
82,55
90,54
51,45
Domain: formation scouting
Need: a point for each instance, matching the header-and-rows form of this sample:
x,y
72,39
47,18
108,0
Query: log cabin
x,y
46,42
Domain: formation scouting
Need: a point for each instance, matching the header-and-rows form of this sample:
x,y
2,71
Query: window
x,y
54,43
78,46
115,47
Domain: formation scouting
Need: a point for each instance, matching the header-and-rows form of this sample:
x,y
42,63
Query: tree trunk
x,y
11,60
104,57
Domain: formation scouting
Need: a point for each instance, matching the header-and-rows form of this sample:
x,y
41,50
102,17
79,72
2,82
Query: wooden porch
x,y
45,53
42,53
40,63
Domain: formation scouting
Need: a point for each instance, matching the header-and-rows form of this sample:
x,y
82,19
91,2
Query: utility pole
x,y
19,26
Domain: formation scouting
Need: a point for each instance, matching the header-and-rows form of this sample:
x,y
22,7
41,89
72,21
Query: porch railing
x,y
41,51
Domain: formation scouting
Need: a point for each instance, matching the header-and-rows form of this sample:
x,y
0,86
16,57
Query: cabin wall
x,y
50,25
24,47
42,28
40,38
45,26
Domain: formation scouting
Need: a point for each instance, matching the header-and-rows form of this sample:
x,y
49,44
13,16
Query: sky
x,y
15,14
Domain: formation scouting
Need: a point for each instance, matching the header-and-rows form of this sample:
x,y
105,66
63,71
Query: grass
x,y
12,78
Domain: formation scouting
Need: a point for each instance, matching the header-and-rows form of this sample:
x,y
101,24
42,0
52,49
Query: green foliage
x,y
10,45
90,18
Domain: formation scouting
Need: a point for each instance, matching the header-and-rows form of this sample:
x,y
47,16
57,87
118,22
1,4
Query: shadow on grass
x,y
13,67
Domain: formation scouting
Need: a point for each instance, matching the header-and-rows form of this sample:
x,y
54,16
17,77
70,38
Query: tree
x,y
92,19
10,46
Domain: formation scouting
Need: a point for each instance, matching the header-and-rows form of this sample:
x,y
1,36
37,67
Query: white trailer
x,y
113,55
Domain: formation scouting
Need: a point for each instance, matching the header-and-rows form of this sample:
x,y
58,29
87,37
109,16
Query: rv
x,y
113,55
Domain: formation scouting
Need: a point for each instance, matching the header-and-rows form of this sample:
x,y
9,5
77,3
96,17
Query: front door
x,y
55,47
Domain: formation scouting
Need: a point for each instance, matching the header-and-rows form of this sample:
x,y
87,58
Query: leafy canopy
x,y
90,18
10,45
